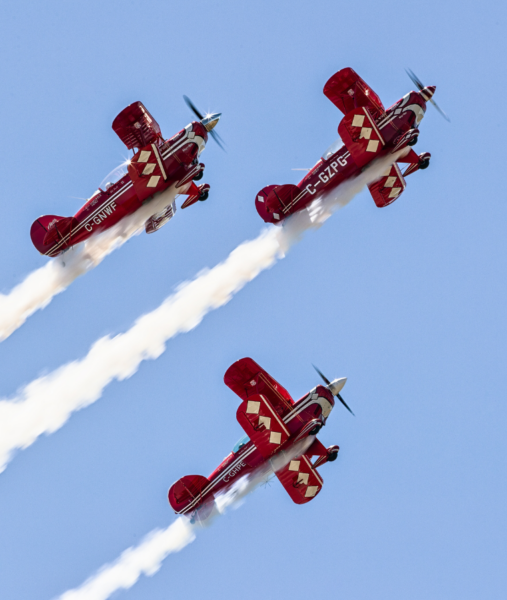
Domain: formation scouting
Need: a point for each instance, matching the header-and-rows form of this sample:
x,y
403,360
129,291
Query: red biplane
x,y
156,165
367,132
274,424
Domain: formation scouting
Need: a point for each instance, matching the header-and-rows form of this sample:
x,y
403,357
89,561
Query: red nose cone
x,y
427,92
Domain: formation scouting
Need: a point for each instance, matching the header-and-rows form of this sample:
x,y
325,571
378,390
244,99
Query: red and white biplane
x,y
368,131
274,425
156,165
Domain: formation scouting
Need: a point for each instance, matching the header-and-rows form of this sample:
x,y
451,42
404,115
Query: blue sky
x,y
408,302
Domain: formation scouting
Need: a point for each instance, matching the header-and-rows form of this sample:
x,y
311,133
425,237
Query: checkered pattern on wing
x,y
301,481
147,172
388,188
262,424
361,135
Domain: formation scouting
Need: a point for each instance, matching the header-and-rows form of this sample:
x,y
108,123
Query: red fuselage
x,y
307,415
338,165
176,158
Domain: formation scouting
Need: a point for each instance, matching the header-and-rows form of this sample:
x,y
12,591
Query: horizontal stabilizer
x,y
158,220
275,202
187,494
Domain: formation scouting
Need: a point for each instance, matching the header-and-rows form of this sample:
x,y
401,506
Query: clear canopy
x,y
244,440
335,146
115,175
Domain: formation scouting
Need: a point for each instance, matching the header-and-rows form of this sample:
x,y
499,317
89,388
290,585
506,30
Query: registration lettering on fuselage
x,y
101,216
327,173
233,472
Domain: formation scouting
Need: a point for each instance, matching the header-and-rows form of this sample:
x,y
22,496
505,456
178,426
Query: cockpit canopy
x,y
240,443
114,176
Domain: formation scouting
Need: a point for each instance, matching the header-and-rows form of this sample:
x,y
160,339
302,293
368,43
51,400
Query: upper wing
x,y
246,378
136,127
301,481
348,91
389,187
262,424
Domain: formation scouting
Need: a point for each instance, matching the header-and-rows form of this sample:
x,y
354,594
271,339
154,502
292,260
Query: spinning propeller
x,y
209,121
330,386
427,91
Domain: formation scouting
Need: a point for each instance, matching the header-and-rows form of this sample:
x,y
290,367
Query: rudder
x,y
47,230
188,495
276,202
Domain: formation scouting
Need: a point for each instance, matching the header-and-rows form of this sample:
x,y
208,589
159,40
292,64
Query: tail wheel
x,y
204,196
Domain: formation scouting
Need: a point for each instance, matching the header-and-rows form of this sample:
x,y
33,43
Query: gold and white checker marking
x,y
311,490
144,157
275,437
153,182
390,183
303,478
149,168
253,408
266,421
365,134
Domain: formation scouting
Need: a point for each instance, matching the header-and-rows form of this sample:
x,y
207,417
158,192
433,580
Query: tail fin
x,y
276,202
189,494
49,230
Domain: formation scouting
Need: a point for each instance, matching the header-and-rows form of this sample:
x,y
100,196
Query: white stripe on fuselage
x,y
217,479
170,151
305,191
293,413
97,210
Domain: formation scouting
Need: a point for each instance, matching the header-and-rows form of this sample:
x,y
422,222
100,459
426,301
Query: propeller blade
x,y
415,79
193,108
440,110
420,85
344,404
196,112
326,380
217,139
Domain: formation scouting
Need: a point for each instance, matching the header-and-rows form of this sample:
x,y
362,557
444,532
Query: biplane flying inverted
x,y
156,165
274,424
367,131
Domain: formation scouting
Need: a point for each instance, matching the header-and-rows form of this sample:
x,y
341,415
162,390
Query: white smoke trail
x,y
157,545
39,287
46,403
145,559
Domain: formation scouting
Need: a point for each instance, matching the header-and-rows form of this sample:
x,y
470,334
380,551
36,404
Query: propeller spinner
x,y
209,121
334,387
426,91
